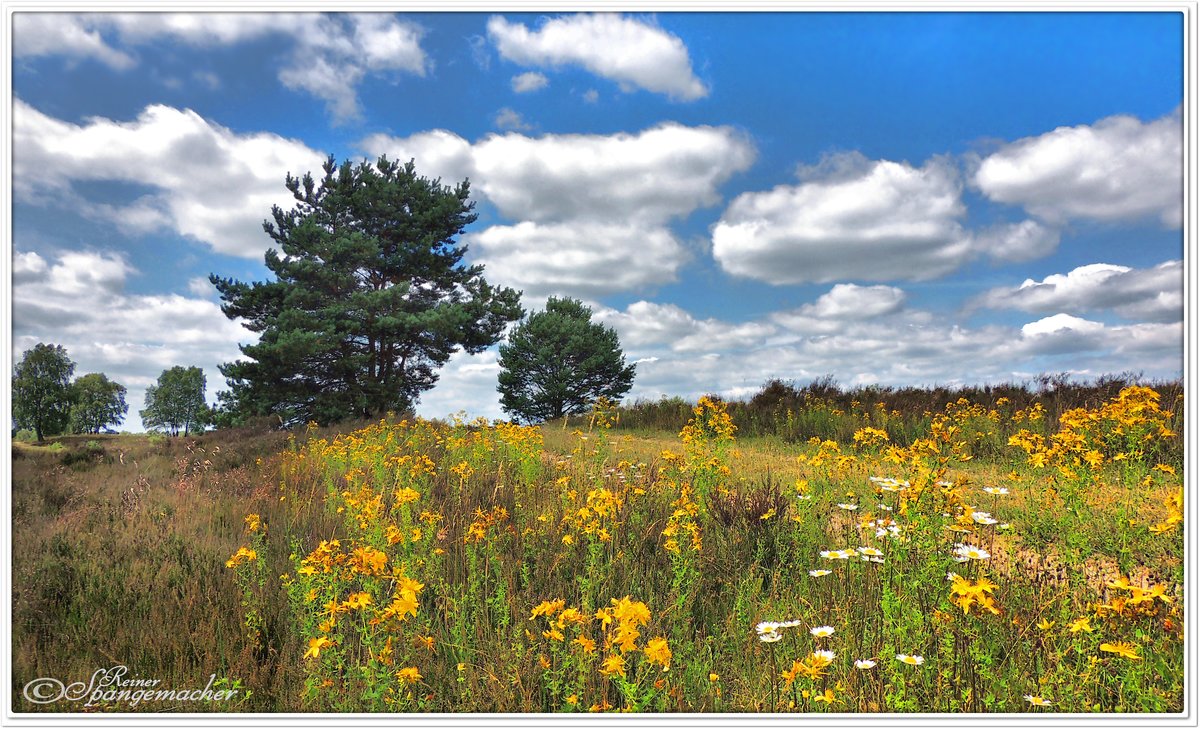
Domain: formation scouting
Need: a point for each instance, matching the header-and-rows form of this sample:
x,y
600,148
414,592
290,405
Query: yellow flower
x,y
627,635
424,641
315,645
407,495
586,643
547,608
656,651
713,677
358,600
1045,624
631,611
1082,624
253,522
244,554
1125,650
613,665
409,675
827,697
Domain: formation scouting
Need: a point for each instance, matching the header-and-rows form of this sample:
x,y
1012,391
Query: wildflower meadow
x,y
580,567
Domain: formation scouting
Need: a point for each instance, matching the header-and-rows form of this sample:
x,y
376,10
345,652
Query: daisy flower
x,y
864,663
870,552
767,627
819,573
848,507
1037,700
821,631
826,656
995,490
910,660
770,637
964,552
982,517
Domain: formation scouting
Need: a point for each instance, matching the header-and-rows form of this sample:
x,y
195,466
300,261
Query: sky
x,y
888,198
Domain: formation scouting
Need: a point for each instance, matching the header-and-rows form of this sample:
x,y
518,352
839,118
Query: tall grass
x,y
409,565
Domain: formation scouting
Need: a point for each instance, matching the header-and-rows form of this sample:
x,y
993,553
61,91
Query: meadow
x,y
807,551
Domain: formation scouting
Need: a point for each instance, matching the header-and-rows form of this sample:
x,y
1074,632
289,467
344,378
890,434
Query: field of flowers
x,y
990,563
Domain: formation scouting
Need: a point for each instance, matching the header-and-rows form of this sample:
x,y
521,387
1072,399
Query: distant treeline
x,y
823,409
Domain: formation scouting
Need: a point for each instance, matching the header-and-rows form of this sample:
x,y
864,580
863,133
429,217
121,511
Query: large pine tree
x,y
370,296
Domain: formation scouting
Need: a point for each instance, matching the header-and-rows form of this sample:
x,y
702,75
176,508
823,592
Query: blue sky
x,y
893,198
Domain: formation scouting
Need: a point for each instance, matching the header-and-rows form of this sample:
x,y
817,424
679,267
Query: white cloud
x,y
1060,323
847,301
582,258
1147,294
1027,240
679,354
73,36
1119,168
206,181
78,299
564,193
466,384
874,221
591,96
529,81
663,172
202,287
437,153
647,325
507,118
330,56
634,53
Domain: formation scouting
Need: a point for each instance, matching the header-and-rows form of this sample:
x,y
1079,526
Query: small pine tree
x,y
558,362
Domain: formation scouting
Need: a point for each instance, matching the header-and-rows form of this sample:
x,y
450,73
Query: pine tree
x,y
370,297
559,362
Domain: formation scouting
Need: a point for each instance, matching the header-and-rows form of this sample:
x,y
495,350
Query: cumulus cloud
x,y
205,181
1118,169
330,56
62,34
78,299
437,153
634,53
507,118
1027,240
680,354
564,191
1146,294
529,81
660,173
466,385
686,356
647,325
583,258
847,301
848,220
